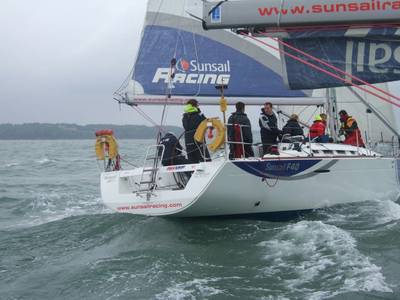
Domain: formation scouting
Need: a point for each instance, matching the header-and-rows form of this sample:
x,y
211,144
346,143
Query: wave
x,y
44,161
50,207
192,289
365,215
318,261
12,164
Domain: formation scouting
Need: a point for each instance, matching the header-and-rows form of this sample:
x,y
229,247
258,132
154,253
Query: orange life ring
x,y
106,145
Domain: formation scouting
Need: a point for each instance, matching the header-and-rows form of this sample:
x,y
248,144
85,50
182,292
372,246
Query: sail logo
x,y
377,58
183,65
195,72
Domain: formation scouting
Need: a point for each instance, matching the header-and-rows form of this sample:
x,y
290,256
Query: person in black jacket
x,y
292,127
172,151
269,127
190,121
239,131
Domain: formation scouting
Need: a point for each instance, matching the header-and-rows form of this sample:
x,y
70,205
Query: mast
x,y
333,121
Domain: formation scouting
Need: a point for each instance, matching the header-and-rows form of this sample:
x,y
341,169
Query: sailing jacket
x,y
317,129
237,133
240,119
172,150
269,128
352,133
292,128
190,121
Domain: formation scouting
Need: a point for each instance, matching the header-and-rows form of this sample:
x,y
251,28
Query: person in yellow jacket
x,y
192,118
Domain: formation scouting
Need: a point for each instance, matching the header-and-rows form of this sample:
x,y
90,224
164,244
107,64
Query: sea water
x,y
57,241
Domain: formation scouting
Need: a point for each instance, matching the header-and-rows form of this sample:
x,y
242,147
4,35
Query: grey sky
x,y
61,61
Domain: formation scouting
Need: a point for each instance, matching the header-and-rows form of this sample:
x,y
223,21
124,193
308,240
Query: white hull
x,y
272,184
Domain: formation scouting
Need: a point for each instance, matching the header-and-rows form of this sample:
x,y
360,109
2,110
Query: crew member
x,y
317,130
350,130
239,133
172,151
292,127
269,127
192,118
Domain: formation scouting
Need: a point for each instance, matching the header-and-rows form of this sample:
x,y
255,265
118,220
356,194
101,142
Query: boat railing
x,y
386,148
234,142
151,165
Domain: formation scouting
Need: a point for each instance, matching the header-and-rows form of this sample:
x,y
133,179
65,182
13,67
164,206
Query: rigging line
x,y
321,69
172,69
157,12
278,23
148,118
216,6
128,162
303,110
312,115
145,116
333,67
125,82
179,26
197,59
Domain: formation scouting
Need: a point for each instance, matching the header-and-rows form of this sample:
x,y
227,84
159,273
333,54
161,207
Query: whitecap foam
x,y
317,260
386,211
366,214
191,289
54,206
44,161
12,164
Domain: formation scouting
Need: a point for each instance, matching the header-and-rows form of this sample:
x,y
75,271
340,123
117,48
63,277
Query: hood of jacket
x,y
188,108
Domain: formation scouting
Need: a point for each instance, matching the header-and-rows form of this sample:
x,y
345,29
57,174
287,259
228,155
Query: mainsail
x,y
361,37
202,60
370,54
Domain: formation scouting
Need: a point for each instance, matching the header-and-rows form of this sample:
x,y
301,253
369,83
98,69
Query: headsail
x,y
203,60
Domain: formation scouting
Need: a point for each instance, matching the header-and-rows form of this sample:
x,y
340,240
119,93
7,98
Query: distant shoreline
x,y
47,131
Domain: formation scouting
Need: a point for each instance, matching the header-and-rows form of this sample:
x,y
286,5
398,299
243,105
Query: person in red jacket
x,y
317,130
350,130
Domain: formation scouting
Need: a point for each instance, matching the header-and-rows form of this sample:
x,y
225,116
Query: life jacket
x,y
353,138
317,129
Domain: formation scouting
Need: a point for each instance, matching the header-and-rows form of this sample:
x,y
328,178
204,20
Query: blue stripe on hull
x,y
276,168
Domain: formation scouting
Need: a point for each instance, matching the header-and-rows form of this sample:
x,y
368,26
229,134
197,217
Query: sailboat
x,y
178,60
